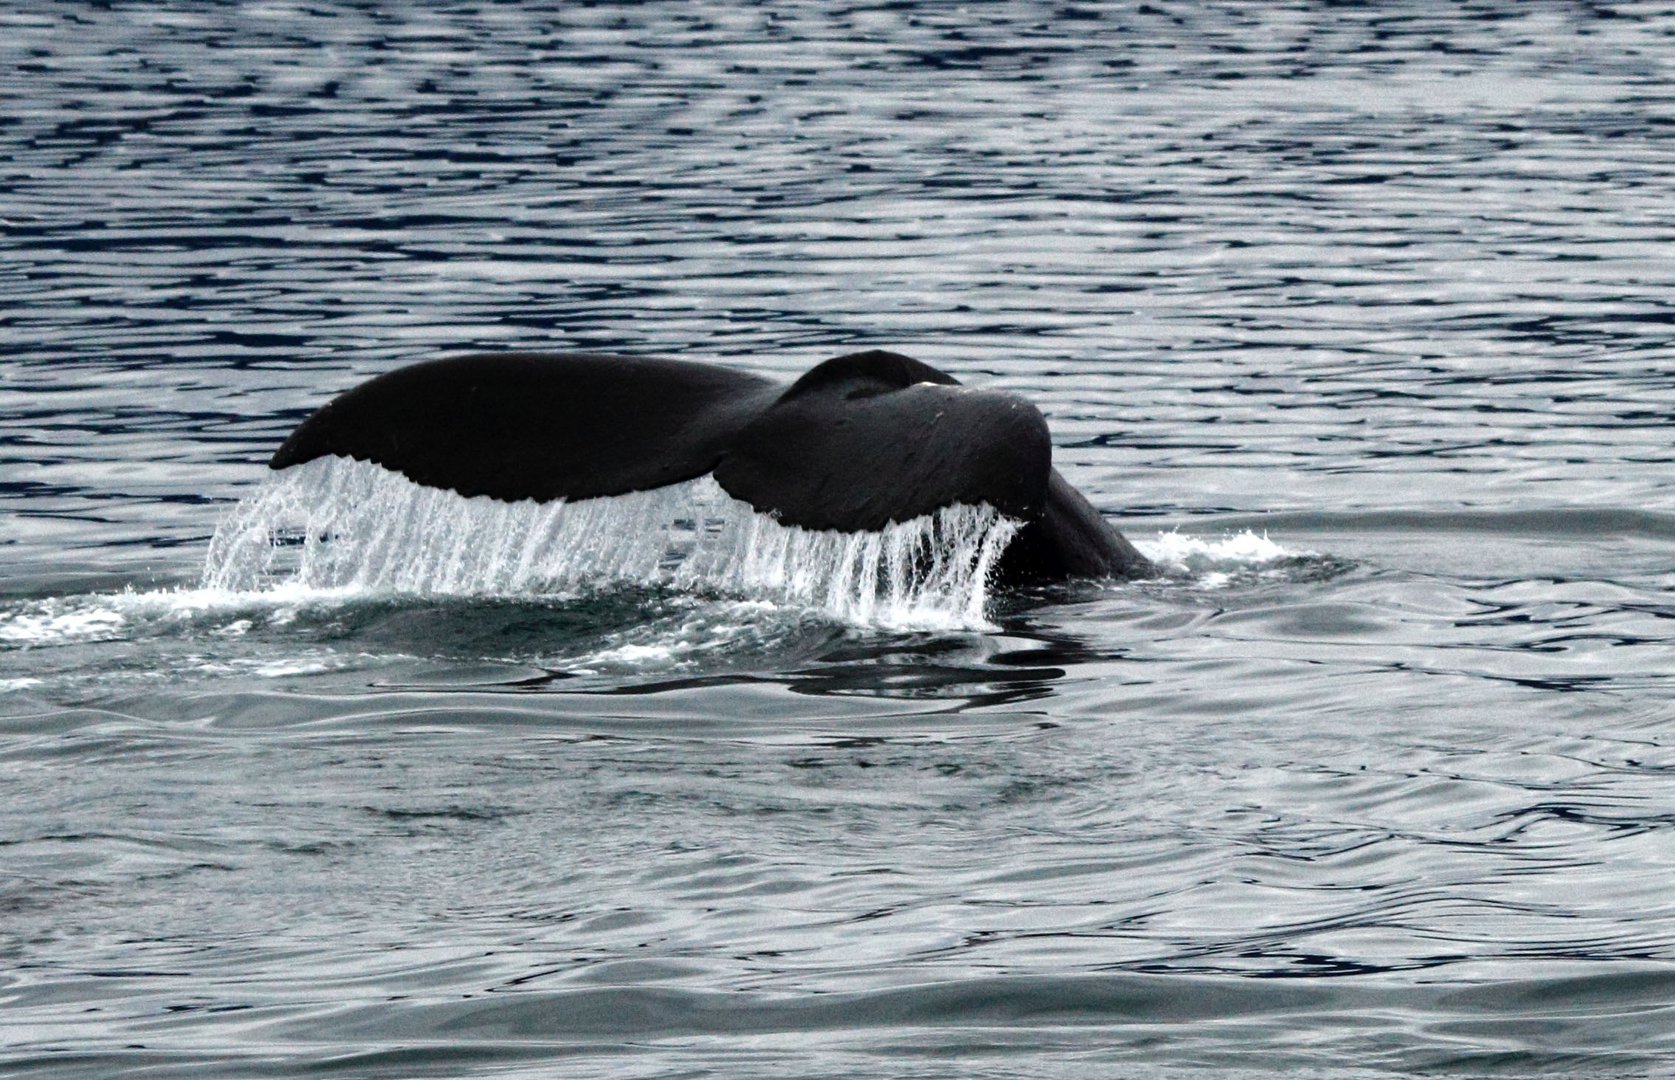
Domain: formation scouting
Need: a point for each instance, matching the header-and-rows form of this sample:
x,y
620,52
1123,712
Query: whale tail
x,y
856,443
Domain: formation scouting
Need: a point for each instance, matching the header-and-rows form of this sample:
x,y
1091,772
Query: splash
x,y
335,524
1214,564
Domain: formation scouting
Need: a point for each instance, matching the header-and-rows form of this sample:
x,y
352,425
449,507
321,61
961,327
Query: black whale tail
x,y
857,443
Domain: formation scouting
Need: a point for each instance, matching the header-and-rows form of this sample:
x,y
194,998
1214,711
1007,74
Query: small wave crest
x,y
340,524
98,618
1217,563
57,621
134,636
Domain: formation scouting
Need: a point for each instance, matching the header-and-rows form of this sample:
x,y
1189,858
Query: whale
x,y
857,443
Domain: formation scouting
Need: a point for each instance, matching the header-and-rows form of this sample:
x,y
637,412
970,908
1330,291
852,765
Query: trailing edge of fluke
x,y
856,443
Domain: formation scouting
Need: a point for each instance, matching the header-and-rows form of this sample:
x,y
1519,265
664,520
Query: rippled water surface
x,y
1358,319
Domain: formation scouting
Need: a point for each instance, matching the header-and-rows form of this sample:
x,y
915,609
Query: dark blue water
x,y
1391,790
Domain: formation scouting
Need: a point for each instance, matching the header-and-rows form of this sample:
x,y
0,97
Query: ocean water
x,y
1357,319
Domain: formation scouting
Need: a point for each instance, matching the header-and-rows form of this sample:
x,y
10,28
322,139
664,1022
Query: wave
x,y
1236,558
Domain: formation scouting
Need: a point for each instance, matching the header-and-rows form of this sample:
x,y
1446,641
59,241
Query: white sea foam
x,y
1215,563
59,622
335,524
106,617
687,632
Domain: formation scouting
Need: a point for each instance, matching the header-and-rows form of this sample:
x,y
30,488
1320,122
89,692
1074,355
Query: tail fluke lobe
x,y
866,440
537,426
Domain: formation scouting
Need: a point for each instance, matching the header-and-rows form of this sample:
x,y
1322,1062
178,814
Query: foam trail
x,y
338,524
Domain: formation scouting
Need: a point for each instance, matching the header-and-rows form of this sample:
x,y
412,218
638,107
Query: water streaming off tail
x,y
336,523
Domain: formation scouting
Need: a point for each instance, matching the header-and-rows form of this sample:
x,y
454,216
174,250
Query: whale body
x,y
856,443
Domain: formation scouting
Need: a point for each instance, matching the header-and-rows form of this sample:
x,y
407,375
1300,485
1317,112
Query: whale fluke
x,y
536,425
856,443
